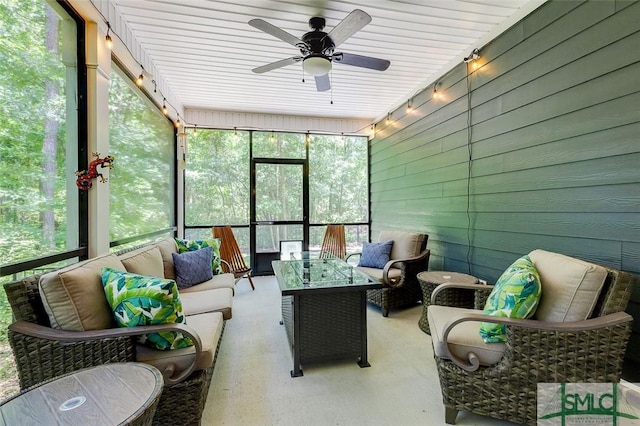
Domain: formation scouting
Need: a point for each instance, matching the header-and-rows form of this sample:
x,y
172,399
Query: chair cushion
x,y
207,326
193,245
144,261
375,255
405,244
142,300
463,338
570,286
226,280
214,300
193,267
394,273
73,297
166,247
515,295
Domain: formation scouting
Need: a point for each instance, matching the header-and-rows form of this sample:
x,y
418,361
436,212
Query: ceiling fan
x,y
317,48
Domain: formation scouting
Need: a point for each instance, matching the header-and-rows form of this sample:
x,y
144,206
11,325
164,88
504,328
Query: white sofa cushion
x,y
570,286
144,261
73,296
463,338
405,244
214,300
168,246
225,280
207,326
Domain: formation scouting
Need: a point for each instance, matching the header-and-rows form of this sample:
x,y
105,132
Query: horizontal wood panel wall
x,y
554,144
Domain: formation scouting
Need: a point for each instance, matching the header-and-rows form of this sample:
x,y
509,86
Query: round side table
x,y
109,394
429,280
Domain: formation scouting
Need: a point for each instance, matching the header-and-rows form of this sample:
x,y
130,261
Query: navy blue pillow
x,y
375,255
193,267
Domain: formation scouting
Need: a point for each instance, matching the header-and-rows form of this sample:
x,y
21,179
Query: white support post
x,y
98,75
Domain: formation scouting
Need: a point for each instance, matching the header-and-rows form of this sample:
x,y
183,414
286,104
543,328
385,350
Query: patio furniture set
x,y
489,363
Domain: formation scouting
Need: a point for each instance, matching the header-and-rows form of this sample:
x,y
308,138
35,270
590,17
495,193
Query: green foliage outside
x,y
33,132
141,180
217,184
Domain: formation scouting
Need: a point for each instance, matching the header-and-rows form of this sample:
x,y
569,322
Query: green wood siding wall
x,y
554,143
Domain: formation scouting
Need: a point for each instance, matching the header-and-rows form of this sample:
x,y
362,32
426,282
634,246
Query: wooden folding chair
x,y
230,253
334,244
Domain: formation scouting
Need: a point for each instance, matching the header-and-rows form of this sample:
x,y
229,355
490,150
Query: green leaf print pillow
x,y
515,295
140,300
193,245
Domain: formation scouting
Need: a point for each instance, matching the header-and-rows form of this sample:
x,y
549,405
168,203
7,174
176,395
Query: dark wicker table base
x,y
323,326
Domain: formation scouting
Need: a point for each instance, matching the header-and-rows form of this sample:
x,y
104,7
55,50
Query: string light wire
x,y
140,79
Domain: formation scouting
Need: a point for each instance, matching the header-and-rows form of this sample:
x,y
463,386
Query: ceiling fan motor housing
x,y
317,41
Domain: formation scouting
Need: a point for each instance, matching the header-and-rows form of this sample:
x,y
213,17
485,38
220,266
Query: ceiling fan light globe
x,y
316,65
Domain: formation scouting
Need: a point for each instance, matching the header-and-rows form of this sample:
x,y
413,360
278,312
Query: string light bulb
x,y
140,79
273,136
409,106
178,123
195,129
165,110
388,117
107,39
435,95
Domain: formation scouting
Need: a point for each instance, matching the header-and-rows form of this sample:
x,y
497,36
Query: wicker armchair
x,y
400,286
42,353
535,351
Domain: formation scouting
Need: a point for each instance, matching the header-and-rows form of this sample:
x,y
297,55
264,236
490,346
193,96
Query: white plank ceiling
x,y
205,50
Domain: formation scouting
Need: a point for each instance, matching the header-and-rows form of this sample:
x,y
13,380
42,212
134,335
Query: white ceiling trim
x,y
278,122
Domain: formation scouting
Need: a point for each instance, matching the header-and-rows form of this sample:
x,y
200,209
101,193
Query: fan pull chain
x,y
302,69
331,84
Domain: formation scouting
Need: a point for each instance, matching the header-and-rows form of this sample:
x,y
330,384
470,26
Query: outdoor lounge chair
x,y
578,334
230,252
333,244
408,257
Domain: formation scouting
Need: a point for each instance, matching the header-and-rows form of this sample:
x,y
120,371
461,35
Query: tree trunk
x,y
49,144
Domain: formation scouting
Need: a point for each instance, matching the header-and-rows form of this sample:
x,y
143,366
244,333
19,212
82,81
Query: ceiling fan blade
x,y
322,83
361,61
268,28
349,26
277,64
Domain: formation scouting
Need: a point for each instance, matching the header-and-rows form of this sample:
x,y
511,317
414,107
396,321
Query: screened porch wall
x,y
555,119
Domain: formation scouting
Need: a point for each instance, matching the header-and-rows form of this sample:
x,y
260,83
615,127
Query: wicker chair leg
x,y
450,415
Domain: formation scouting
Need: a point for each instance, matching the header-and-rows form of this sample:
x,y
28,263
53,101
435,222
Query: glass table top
x,y
308,273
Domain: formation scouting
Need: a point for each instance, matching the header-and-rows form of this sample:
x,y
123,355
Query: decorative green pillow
x,y
515,295
193,245
140,300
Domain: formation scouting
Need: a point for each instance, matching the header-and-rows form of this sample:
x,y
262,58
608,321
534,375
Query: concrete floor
x,y
251,383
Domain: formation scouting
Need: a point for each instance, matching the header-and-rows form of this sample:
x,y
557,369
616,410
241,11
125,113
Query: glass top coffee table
x,y
324,310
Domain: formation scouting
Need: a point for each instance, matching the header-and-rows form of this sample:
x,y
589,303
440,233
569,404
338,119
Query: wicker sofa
x,y
579,334
84,333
